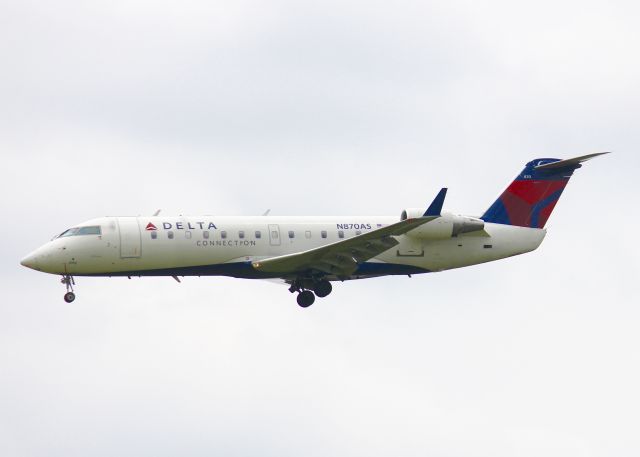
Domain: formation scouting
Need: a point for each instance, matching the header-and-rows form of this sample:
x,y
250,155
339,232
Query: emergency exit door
x,y
274,234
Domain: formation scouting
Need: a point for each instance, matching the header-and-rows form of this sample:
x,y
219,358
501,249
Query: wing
x,y
343,257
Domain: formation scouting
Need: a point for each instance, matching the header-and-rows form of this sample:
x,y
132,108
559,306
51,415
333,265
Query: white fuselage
x,y
211,245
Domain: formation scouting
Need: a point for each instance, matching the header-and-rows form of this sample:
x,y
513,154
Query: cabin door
x,y
130,237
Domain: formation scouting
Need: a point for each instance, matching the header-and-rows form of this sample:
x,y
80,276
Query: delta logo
x,y
182,226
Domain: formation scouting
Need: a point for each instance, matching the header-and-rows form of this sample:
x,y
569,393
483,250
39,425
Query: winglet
x,y
435,208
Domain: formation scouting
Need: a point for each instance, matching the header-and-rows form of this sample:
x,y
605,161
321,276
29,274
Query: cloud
x,y
334,108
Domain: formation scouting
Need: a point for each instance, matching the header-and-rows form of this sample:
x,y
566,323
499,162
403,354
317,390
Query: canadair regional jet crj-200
x,y
310,252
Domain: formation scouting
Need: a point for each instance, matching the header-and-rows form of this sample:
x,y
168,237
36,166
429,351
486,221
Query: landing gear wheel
x,y
306,298
68,281
322,288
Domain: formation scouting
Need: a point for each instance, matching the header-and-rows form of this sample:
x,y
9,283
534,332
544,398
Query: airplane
x,y
309,253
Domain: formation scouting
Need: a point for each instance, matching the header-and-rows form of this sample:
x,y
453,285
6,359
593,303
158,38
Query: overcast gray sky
x,y
336,107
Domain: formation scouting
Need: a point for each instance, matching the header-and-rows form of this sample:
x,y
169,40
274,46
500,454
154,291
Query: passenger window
x,y
291,234
205,234
323,234
187,235
358,232
223,234
170,234
241,234
258,234
340,234
307,234
274,234
154,235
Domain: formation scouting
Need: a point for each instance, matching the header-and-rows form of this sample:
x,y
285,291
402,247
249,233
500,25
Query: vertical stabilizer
x,y
531,197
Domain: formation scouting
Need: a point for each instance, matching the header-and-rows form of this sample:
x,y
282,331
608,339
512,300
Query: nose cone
x,y
47,259
30,261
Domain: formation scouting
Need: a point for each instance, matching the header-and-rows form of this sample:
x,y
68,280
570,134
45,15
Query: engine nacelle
x,y
446,226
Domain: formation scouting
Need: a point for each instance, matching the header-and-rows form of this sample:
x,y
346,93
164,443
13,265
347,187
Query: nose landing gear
x,y
68,281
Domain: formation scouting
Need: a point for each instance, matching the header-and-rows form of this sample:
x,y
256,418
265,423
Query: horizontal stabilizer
x,y
569,162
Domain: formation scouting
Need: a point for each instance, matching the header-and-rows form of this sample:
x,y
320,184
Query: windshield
x,y
90,230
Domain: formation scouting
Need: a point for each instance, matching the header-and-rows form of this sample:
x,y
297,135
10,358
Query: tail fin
x,y
530,199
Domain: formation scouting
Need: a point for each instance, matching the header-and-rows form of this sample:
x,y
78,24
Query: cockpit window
x,y
67,232
90,230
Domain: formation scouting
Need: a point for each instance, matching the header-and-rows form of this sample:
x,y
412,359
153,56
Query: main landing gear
x,y
322,288
306,297
68,281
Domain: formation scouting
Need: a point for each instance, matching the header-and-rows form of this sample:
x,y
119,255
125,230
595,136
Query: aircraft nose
x,y
30,261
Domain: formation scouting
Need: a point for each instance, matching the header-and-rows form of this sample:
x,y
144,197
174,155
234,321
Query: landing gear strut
x,y
68,281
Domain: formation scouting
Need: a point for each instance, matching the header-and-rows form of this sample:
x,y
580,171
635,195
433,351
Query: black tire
x,y
322,288
69,297
306,298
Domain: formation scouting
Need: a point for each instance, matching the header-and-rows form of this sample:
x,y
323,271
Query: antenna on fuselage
x,y
266,213
157,212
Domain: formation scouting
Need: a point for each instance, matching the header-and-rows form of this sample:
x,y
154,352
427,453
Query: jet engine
x,y
446,226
